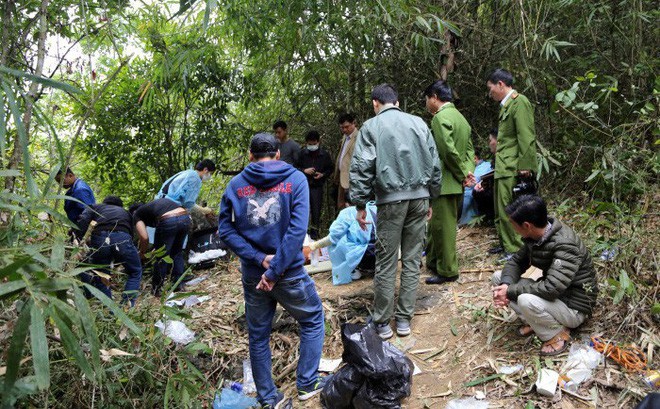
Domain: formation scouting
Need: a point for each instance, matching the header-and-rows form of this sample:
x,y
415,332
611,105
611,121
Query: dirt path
x,y
457,338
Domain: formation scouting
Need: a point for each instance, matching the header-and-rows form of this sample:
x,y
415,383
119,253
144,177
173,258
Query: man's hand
x,y
478,187
429,214
525,173
265,284
266,262
306,252
470,180
500,300
361,218
309,171
318,175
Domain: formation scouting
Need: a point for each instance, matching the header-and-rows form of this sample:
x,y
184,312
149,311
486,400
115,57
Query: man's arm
x,y
556,280
294,237
83,222
363,168
524,120
228,233
436,175
516,266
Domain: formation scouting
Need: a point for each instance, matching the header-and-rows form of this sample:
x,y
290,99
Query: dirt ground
x,y
457,339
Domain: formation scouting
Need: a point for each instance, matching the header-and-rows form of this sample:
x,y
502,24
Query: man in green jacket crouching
x,y
563,297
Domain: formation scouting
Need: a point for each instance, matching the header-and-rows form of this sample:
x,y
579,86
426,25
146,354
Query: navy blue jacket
x,y
265,210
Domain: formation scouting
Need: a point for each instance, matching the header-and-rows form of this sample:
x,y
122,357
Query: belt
x,y
170,215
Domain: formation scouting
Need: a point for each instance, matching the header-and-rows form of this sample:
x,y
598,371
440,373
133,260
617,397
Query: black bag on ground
x,y
387,371
338,393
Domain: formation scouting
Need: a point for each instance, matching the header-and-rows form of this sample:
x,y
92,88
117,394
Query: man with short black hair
x,y
349,131
77,189
289,149
516,152
565,294
263,219
453,138
395,160
111,240
316,164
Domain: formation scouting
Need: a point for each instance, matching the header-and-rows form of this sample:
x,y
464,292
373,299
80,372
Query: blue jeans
x,y
299,298
170,233
108,247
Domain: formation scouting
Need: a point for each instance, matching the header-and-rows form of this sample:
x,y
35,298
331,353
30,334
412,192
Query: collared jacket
x,y
342,167
568,273
452,134
395,158
182,188
81,191
108,218
516,137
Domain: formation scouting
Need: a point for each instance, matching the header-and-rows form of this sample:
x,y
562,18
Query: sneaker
x,y
356,275
280,402
384,330
402,328
436,279
308,393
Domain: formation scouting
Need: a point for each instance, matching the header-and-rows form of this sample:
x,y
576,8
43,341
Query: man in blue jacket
x,y
77,189
263,219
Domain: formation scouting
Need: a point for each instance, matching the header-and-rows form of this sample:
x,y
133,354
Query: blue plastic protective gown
x,y
469,205
349,242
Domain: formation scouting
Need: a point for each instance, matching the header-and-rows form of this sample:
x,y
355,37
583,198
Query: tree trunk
x,y
32,93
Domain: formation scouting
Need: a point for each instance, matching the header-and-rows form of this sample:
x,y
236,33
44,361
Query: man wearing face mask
x,y
183,188
316,163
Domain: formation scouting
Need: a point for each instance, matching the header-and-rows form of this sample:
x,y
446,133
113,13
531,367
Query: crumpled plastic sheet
x,y
176,331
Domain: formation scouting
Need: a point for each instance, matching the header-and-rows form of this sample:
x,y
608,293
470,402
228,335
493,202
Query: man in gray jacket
x,y
396,161
563,297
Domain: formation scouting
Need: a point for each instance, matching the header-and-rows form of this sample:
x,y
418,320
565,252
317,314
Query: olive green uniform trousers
x,y
511,241
441,257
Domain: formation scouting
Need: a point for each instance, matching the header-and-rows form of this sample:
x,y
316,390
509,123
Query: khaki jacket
x,y
341,172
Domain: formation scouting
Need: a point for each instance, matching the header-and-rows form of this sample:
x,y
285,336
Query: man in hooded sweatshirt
x,y
263,219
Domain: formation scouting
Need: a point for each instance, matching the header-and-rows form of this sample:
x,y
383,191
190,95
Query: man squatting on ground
x,y
263,219
395,160
564,296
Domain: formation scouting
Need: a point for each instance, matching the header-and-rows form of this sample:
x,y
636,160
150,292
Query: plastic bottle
x,y
234,386
315,258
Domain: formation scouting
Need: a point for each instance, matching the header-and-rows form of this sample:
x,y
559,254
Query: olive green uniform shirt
x,y
451,132
516,137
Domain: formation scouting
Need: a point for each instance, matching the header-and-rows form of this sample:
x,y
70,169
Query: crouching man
x,y
263,219
563,297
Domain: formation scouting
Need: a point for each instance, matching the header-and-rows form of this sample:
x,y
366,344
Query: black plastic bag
x,y
338,393
387,370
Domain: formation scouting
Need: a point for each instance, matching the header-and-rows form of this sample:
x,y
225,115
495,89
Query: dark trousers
x,y
315,207
109,247
170,234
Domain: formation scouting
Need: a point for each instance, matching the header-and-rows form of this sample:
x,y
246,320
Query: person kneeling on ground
x,y
352,250
111,240
564,295
263,219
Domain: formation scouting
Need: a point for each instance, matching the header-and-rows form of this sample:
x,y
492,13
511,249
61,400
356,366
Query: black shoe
x,y
440,279
496,250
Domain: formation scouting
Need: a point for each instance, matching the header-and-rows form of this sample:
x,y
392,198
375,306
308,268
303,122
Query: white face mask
x,y
206,177
312,148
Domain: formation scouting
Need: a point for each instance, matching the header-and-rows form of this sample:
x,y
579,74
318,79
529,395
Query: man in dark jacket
x,y
563,297
263,219
111,240
316,163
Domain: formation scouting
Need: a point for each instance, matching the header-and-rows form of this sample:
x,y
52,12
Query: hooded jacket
x,y
265,210
568,273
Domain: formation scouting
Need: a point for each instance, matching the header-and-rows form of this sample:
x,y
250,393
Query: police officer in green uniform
x,y
516,152
451,132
